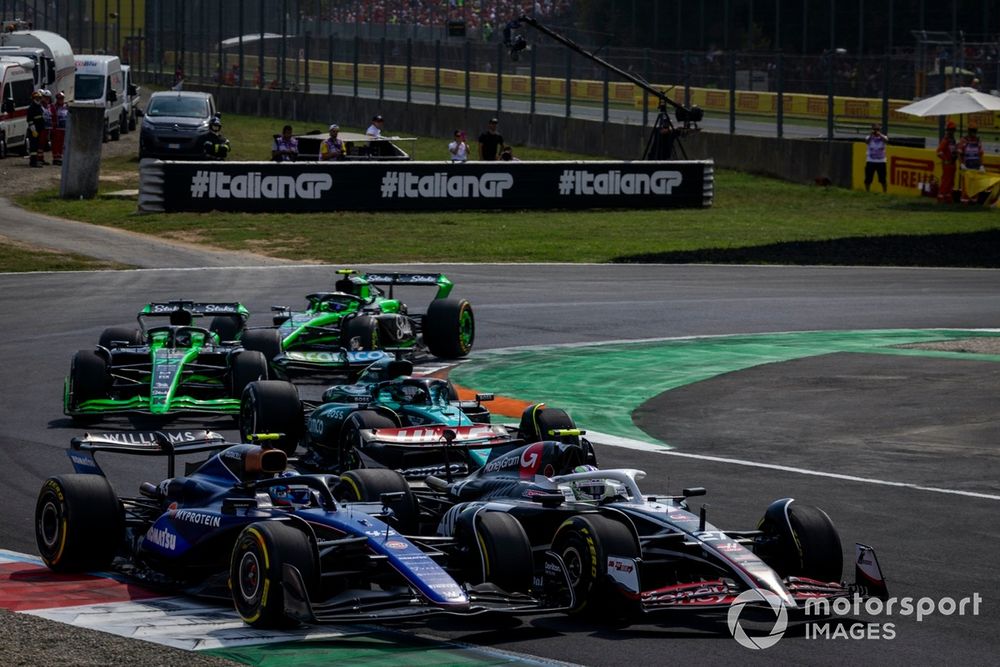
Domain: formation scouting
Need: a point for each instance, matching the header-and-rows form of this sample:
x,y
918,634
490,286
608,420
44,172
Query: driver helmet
x,y
215,125
587,489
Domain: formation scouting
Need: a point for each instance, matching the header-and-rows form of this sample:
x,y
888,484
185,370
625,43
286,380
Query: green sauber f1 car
x,y
345,331
167,365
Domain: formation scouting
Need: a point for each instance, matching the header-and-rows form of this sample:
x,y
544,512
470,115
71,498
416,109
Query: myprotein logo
x,y
407,185
614,182
254,185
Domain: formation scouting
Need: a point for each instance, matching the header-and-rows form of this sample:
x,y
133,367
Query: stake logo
x,y
756,596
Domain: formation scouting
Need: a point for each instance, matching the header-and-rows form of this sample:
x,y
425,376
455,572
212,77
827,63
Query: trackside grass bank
x,y
754,220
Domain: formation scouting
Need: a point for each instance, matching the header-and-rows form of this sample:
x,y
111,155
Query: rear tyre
x,y
584,543
88,376
361,333
266,341
256,571
368,484
226,327
504,550
449,328
116,133
79,523
127,335
801,541
248,366
272,406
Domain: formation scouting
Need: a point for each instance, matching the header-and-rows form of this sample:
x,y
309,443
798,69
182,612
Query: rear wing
x,y
142,443
484,436
195,308
439,280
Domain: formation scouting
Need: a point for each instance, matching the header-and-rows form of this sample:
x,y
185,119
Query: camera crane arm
x,y
685,114
664,136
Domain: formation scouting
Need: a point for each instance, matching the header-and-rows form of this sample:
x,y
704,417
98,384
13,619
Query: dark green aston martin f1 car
x,y
167,365
344,331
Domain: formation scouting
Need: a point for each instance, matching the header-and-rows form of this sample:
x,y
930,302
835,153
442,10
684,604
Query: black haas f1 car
x,y
239,525
391,419
167,365
630,553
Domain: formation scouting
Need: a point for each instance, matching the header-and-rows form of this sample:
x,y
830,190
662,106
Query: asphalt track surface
x,y
930,544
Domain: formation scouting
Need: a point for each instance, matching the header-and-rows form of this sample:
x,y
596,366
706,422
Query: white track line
x,y
628,443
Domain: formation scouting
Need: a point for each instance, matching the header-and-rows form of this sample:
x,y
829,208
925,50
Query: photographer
x,y
875,163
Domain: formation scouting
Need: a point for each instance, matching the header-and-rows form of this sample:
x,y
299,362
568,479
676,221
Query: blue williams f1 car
x,y
238,524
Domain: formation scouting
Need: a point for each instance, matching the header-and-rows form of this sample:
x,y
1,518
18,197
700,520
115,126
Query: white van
x,y
131,112
99,82
16,85
59,65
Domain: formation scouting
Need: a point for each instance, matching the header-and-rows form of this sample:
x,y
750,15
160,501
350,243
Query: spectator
x,y
374,130
875,163
36,125
60,117
947,151
216,145
286,147
490,142
47,117
507,155
458,148
332,148
970,152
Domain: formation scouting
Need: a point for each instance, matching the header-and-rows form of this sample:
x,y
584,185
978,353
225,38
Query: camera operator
x,y
875,162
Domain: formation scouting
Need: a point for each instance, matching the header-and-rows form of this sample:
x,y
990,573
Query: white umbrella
x,y
952,103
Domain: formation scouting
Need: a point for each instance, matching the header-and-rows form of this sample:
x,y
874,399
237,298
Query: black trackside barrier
x,y
422,186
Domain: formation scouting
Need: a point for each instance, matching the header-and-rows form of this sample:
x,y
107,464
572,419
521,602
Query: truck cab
x,y
16,86
99,82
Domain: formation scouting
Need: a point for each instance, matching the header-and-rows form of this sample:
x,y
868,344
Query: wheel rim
x,y
250,576
49,524
466,329
573,560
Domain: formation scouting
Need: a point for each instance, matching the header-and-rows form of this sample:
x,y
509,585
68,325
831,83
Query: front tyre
x,y
504,550
800,540
449,328
256,571
248,366
368,484
79,523
272,406
584,543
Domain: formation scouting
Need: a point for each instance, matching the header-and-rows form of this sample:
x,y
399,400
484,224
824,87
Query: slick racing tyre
x,y
88,379
449,328
127,335
361,333
79,523
272,406
256,571
368,484
350,435
801,541
226,327
584,543
248,366
500,552
266,341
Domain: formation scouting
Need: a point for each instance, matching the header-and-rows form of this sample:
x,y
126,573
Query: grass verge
x,y
16,258
754,220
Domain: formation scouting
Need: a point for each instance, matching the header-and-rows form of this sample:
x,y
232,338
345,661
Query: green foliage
x,y
15,258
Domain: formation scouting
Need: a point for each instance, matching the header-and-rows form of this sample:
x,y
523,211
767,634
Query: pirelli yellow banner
x,y
907,168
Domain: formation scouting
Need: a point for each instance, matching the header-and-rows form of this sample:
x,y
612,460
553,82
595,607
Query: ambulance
x,y
16,85
100,83
55,65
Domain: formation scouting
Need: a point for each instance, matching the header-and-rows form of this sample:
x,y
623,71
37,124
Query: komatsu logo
x,y
162,538
404,185
216,185
614,182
